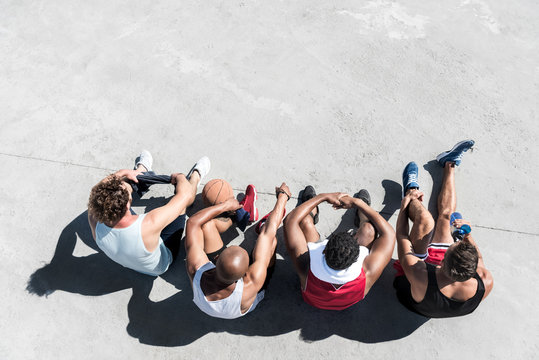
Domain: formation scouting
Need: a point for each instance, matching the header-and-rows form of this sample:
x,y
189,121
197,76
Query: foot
x,y
249,202
202,166
366,197
307,194
455,154
409,177
145,159
258,228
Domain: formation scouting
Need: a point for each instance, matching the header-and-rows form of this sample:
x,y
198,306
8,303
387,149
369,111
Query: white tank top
x,y
125,246
227,308
322,271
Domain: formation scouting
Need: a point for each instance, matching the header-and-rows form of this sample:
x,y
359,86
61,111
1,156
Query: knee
x,y
306,221
206,226
444,214
367,229
425,220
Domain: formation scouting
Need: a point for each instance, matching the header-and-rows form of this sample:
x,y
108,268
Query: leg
x,y
192,192
296,236
172,235
308,228
212,231
447,203
422,228
365,234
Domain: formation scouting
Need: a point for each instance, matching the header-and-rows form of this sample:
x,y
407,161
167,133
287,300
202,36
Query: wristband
x,y
280,191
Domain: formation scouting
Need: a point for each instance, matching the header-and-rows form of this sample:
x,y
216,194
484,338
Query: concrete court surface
x,y
337,94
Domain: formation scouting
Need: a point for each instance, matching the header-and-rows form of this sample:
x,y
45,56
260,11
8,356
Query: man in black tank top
x,y
437,277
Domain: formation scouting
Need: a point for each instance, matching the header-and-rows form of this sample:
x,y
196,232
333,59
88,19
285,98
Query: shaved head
x,y
232,264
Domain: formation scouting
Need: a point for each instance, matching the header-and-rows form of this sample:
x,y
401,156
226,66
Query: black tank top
x,y
435,304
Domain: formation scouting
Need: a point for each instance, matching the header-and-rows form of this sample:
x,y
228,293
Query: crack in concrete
x,y
259,192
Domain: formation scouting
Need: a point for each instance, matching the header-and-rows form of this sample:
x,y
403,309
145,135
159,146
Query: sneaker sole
x,y
439,157
255,210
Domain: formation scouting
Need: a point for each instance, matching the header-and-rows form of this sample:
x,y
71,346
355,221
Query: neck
x,y
125,221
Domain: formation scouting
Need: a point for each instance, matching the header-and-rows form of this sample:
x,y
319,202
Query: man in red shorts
x,y
437,277
338,272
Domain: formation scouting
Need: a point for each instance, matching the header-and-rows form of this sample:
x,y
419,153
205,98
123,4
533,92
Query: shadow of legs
x,y
392,198
436,172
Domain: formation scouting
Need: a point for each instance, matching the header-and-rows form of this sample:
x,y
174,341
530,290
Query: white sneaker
x,y
145,159
202,166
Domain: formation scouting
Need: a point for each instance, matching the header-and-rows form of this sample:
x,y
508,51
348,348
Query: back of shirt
x,y
435,304
227,308
126,247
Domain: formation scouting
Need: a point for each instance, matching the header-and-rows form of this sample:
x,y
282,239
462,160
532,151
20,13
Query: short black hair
x,y
460,261
342,250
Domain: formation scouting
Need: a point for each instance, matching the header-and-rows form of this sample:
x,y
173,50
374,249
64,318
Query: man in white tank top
x,y
141,242
224,284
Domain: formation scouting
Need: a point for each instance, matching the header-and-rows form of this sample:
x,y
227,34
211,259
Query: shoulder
x,y
487,279
256,275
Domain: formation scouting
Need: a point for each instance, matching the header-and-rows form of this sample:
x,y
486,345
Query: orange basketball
x,y
216,191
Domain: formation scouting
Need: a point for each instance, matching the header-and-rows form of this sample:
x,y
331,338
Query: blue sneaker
x,y
455,154
409,177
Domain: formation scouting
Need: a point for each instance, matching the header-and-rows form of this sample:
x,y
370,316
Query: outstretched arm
x,y
156,220
265,248
194,236
296,243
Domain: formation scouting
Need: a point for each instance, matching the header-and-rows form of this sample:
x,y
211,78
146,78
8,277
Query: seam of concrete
x,y
259,192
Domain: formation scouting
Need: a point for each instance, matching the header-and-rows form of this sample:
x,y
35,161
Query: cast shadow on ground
x,y
92,275
176,321
436,172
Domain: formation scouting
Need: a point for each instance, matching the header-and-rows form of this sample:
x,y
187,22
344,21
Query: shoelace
x,y
412,178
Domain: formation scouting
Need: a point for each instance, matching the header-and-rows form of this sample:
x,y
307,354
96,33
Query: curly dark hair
x,y
108,200
342,250
460,261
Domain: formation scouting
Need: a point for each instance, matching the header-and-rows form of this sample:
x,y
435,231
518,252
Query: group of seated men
x,y
437,276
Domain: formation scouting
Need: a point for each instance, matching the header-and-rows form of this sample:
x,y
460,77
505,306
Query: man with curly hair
x,y
146,243
438,276
337,272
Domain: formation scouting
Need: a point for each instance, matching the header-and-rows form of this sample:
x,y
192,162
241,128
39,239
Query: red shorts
x,y
435,255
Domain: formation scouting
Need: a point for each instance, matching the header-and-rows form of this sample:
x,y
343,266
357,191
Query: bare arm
x,y
194,236
296,243
382,247
414,268
485,275
156,220
264,249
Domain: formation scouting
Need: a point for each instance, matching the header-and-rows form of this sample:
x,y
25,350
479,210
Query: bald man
x,y
226,284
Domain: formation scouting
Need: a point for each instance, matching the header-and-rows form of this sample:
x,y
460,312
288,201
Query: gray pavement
x,y
340,95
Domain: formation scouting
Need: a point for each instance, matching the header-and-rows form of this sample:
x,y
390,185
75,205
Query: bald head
x,y
232,264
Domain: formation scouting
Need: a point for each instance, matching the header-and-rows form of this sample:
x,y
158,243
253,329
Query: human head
x,y
341,251
232,264
109,200
460,261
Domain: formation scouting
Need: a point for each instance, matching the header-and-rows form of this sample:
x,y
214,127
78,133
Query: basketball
x,y
216,191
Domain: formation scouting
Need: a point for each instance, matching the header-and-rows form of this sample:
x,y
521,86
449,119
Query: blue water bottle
x,y
458,233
